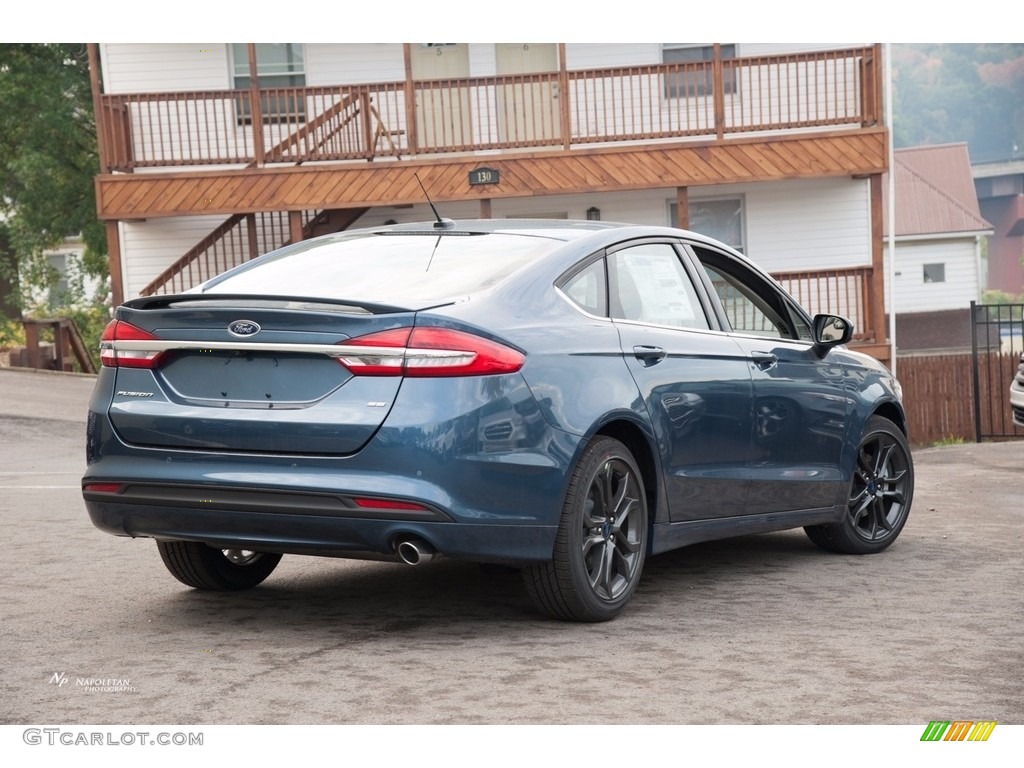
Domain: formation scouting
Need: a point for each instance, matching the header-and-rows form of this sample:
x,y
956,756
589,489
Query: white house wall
x,y
789,226
913,294
164,67
150,247
807,225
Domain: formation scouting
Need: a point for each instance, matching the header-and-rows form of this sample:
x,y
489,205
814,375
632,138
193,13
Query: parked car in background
x,y
565,397
1017,394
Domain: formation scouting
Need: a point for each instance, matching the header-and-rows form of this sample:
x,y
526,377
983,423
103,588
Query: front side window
x,y
278,66
648,284
752,306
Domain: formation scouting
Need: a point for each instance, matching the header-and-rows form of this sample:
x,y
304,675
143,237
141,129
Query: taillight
x,y
114,354
429,352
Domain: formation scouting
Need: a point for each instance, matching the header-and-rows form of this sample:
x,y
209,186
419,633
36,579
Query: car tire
x,y
601,541
881,492
209,568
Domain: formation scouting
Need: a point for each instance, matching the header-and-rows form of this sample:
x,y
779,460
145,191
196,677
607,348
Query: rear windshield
x,y
399,269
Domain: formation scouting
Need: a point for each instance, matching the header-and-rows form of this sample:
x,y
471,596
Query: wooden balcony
x,y
267,149
279,163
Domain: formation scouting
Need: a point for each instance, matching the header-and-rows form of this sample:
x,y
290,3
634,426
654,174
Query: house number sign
x,y
483,176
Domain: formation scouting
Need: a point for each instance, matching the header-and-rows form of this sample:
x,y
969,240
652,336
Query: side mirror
x,y
831,331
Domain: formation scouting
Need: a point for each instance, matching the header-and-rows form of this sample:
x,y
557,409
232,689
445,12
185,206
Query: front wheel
x,y
601,541
205,567
881,491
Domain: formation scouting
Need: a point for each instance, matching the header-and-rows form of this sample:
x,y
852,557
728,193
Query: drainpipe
x,y
891,277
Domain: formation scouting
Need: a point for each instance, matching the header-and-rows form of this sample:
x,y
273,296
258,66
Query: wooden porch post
x,y
250,229
877,299
295,226
563,96
410,100
683,207
718,88
114,264
485,208
255,110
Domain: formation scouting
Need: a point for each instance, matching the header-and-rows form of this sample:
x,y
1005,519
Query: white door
x,y
442,105
528,106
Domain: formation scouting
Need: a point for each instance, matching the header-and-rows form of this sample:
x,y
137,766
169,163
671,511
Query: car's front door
x,y
801,407
695,381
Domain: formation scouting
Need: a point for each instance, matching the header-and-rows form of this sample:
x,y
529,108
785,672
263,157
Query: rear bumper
x,y
304,532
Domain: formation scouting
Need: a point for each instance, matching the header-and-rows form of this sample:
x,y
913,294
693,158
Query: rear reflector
x,y
429,352
102,488
119,330
367,503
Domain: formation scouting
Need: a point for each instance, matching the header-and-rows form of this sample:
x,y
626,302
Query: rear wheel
x,y
880,494
205,567
601,542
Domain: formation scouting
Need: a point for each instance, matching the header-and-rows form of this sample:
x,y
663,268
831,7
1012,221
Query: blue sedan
x,y
563,397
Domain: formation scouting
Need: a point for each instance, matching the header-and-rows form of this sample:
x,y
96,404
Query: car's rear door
x,y
694,381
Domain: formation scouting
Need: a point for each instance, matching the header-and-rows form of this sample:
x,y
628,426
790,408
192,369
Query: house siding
x,y
150,247
789,226
163,68
958,290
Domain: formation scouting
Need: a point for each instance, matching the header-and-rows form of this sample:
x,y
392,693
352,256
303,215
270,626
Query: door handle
x,y
764,360
649,355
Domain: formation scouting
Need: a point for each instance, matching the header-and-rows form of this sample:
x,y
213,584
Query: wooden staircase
x,y
242,237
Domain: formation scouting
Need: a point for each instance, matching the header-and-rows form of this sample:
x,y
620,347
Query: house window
x,y
278,66
935,273
690,81
720,218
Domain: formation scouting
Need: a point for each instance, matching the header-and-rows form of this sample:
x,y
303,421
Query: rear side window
x,y
648,284
588,289
410,270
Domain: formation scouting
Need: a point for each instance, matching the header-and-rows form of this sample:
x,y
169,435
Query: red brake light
x,y
429,352
113,355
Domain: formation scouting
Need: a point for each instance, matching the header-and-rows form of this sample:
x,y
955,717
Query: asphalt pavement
x,y
761,629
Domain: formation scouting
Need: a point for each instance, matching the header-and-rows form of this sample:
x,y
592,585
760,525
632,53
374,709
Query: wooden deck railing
x,y
846,292
68,346
560,110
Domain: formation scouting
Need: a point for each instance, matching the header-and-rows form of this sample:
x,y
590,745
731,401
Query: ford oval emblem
x,y
244,328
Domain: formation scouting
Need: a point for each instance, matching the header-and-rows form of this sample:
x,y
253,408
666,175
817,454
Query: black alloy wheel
x,y
881,492
601,542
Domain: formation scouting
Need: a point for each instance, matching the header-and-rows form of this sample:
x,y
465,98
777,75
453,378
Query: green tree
x,y
48,160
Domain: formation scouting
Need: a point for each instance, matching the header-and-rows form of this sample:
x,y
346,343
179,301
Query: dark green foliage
x,y
48,159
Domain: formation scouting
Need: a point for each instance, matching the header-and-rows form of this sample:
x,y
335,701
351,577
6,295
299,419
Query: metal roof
x,y
935,192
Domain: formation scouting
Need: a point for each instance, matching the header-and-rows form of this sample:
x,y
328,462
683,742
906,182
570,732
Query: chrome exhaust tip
x,y
414,551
